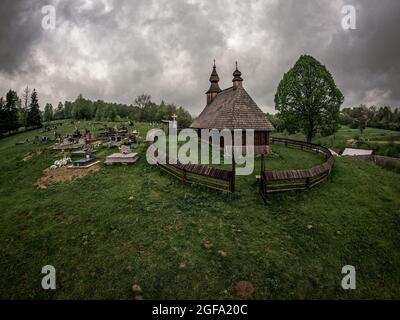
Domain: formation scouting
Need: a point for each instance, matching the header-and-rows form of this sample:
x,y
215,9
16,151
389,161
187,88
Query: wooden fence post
x,y
263,186
262,162
184,176
233,173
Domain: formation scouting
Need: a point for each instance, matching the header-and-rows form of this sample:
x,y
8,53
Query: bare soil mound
x,y
52,176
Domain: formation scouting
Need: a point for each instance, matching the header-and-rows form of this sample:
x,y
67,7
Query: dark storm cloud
x,y
368,60
19,29
115,50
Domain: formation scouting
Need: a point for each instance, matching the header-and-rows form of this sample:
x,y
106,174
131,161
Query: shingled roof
x,y
232,108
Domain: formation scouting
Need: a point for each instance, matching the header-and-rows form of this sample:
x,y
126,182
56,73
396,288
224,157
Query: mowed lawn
x,y
101,242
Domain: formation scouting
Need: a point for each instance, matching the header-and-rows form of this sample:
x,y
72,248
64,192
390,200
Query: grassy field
x,y
101,243
383,142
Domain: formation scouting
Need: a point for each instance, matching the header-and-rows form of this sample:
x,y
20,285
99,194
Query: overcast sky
x,y
115,50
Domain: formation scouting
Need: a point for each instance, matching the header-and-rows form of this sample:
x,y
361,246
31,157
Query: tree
x,y
11,111
34,117
276,121
68,109
82,108
360,118
23,110
143,100
48,112
3,121
111,114
308,99
59,113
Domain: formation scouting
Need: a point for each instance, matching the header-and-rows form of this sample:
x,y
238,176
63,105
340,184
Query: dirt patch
x,y
244,289
52,176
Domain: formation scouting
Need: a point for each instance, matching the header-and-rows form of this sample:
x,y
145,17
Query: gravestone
x,y
88,159
124,157
114,141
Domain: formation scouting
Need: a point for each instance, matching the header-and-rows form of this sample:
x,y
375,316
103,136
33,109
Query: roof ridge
x,y
226,89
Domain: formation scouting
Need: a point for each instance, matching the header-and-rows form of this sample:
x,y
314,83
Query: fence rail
x,y
289,180
210,177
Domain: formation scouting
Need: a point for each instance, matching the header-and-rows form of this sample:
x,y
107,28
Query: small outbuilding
x,y
364,154
357,152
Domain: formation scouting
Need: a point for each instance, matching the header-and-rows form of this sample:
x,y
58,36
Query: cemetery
x,y
114,141
84,198
87,160
139,215
124,157
69,144
134,168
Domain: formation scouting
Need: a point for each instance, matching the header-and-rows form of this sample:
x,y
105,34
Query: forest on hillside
x,y
24,112
356,118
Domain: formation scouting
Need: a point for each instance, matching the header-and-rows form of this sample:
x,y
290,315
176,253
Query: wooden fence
x,y
288,180
210,177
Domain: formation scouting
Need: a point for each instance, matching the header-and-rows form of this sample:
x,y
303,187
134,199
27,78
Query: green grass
x,y
383,142
101,243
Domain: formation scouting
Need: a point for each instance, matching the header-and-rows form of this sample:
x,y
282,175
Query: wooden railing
x,y
210,177
288,180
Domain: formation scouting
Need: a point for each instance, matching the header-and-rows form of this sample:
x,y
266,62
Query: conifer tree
x,y
34,117
3,122
11,111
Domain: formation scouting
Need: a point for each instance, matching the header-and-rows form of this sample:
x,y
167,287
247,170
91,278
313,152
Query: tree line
x,y
356,118
16,112
374,117
142,110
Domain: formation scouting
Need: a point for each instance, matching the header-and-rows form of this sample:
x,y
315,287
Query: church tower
x,y
214,87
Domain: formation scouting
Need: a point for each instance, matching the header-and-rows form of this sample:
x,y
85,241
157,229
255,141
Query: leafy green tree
x,y
68,109
99,110
112,114
59,112
362,116
143,110
82,108
34,117
184,118
48,112
143,100
308,99
276,121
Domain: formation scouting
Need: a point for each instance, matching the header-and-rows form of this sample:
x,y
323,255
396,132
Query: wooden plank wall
x,y
214,178
288,180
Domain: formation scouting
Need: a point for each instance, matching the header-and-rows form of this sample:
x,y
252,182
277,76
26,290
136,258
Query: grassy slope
x,y
384,142
355,218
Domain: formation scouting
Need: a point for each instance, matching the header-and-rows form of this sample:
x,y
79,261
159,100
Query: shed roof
x,y
357,152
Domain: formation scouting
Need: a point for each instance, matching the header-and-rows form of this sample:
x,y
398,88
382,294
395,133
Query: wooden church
x,y
233,108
